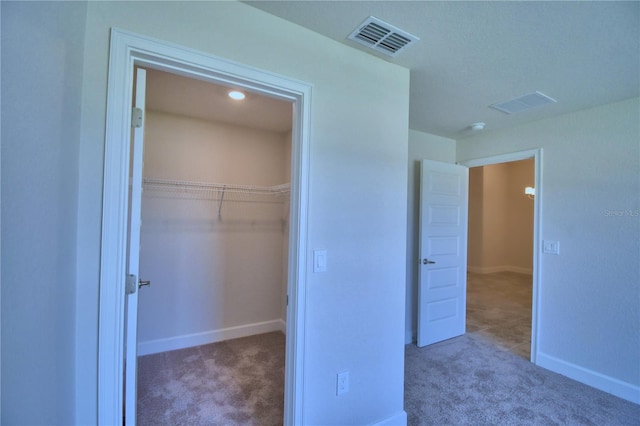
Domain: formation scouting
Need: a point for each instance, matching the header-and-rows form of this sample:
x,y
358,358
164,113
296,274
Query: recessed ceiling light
x,y
238,96
477,126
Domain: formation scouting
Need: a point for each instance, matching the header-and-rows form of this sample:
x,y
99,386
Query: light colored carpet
x,y
485,378
469,381
481,378
235,382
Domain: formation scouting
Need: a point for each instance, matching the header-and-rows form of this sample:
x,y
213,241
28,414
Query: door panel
x,y
443,252
135,207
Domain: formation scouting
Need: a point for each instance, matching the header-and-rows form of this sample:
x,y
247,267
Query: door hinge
x,y
136,117
131,284
287,300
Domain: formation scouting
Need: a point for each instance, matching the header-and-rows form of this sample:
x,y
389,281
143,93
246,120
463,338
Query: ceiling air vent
x,y
524,103
382,37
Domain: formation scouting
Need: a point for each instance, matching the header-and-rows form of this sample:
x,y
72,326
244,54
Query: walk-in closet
x,y
214,244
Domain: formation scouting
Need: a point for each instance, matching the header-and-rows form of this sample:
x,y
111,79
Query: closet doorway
x,y
214,244
127,51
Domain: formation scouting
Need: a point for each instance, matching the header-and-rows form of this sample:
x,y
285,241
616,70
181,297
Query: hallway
x,y
499,309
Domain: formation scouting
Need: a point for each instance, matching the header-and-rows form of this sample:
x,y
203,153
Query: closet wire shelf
x,y
222,193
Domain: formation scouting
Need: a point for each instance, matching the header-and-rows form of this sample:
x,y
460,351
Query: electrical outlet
x,y
342,383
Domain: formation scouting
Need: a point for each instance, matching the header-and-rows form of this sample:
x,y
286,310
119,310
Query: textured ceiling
x,y
474,54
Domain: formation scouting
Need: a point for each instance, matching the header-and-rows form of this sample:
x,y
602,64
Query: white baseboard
x,y
494,269
398,419
597,380
206,337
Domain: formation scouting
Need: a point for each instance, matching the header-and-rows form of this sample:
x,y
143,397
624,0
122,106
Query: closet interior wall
x,y
217,259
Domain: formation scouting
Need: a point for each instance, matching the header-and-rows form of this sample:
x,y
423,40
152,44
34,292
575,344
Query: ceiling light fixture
x,y
238,96
530,192
477,126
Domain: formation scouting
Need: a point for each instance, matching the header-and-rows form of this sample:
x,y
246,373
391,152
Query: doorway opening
x,y
500,257
127,51
515,216
214,244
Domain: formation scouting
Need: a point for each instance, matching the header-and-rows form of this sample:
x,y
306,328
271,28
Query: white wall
x,y
210,273
422,146
589,323
501,218
494,214
41,92
519,256
358,176
183,148
475,240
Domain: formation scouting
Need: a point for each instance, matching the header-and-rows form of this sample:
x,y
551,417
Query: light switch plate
x,y
342,385
319,261
551,247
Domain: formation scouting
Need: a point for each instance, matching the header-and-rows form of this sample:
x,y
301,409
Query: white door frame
x,y
536,154
129,49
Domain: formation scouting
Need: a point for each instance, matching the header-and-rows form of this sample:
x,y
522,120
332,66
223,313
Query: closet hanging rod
x,y
180,185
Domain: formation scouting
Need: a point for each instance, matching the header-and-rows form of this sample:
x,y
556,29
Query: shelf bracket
x,y
224,188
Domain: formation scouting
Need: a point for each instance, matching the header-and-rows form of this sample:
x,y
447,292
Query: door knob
x,y
142,283
426,261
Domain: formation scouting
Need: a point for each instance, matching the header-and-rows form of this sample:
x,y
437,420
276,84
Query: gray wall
x,y
589,321
41,93
355,311
589,317
52,157
53,116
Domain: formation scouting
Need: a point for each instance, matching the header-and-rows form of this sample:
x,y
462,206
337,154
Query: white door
x,y
442,276
133,261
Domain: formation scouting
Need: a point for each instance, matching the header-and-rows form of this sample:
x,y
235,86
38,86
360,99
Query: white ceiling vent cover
x,y
524,103
383,37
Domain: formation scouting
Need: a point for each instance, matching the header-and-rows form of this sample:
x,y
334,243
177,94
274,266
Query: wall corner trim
x,y
591,378
211,336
